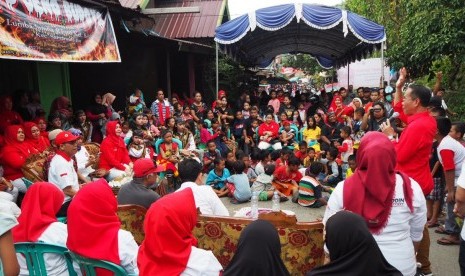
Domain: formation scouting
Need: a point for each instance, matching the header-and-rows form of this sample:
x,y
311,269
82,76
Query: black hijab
x,y
352,249
258,252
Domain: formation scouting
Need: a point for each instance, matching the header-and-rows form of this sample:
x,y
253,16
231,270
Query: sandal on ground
x,y
448,241
441,230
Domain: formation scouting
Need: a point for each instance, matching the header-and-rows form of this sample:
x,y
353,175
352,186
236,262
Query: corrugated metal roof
x,y
133,4
190,25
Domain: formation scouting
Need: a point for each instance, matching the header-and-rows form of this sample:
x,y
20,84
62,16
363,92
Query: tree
x,y
419,32
303,62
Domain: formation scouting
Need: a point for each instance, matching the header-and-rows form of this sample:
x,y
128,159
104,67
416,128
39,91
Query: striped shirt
x,y
309,191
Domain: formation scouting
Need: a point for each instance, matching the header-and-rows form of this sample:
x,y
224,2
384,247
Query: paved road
x,y
444,259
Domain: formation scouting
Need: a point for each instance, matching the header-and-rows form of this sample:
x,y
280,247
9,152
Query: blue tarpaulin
x,y
333,36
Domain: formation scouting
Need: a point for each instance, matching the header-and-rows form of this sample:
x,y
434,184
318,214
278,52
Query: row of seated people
x,y
168,224
169,244
115,161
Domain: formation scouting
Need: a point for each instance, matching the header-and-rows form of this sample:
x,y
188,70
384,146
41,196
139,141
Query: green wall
x,y
53,81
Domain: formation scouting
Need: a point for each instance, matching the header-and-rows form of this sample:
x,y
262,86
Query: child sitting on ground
x,y
333,176
251,175
286,178
346,149
238,184
209,156
263,184
312,156
284,157
169,153
137,147
216,178
264,158
302,153
352,166
287,134
310,188
230,158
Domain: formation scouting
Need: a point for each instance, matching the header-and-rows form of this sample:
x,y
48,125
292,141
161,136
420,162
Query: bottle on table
x,y
254,206
276,199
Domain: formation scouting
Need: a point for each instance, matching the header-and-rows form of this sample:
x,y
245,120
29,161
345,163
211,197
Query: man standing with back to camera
x,y
414,148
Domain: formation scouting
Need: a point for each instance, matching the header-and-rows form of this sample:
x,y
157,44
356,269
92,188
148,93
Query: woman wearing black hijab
x,y
352,249
258,252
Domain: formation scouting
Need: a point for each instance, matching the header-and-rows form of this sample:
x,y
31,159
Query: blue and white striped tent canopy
x,y
333,36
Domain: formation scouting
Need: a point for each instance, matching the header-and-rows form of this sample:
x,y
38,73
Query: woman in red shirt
x,y
269,132
114,155
33,138
14,155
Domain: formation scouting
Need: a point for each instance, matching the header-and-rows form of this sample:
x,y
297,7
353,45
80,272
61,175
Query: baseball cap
x,y
65,137
53,134
145,166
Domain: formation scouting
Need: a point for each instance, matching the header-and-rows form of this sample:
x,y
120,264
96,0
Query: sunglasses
x,y
376,109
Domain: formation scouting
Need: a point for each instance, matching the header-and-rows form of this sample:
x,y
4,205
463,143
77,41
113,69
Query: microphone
x,y
394,115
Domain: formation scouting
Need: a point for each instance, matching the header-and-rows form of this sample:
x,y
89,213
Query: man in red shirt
x,y
414,147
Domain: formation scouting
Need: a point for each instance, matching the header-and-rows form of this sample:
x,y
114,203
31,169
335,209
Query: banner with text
x,y
56,30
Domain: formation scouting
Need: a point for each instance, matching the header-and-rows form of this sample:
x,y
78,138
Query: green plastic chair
x,y
88,265
34,255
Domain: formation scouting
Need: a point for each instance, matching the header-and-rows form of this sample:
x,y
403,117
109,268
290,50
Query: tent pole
x,y
217,78
348,76
381,85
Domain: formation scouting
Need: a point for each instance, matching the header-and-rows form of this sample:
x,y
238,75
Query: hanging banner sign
x,y
56,30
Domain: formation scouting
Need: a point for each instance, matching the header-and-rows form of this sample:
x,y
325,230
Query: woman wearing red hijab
x,y
36,141
14,155
38,223
169,248
7,115
391,203
338,108
94,228
114,155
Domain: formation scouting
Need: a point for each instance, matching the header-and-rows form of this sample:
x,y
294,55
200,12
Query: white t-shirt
x,y
403,227
55,264
259,168
202,262
449,143
82,158
62,174
206,199
57,233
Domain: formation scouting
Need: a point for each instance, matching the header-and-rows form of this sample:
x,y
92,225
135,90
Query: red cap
x,y
286,123
145,166
65,137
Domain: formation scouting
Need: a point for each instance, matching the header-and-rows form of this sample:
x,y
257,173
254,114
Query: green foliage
x,y
419,32
304,62
231,76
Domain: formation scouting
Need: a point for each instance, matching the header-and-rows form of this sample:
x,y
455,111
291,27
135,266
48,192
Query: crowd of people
x,y
368,151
